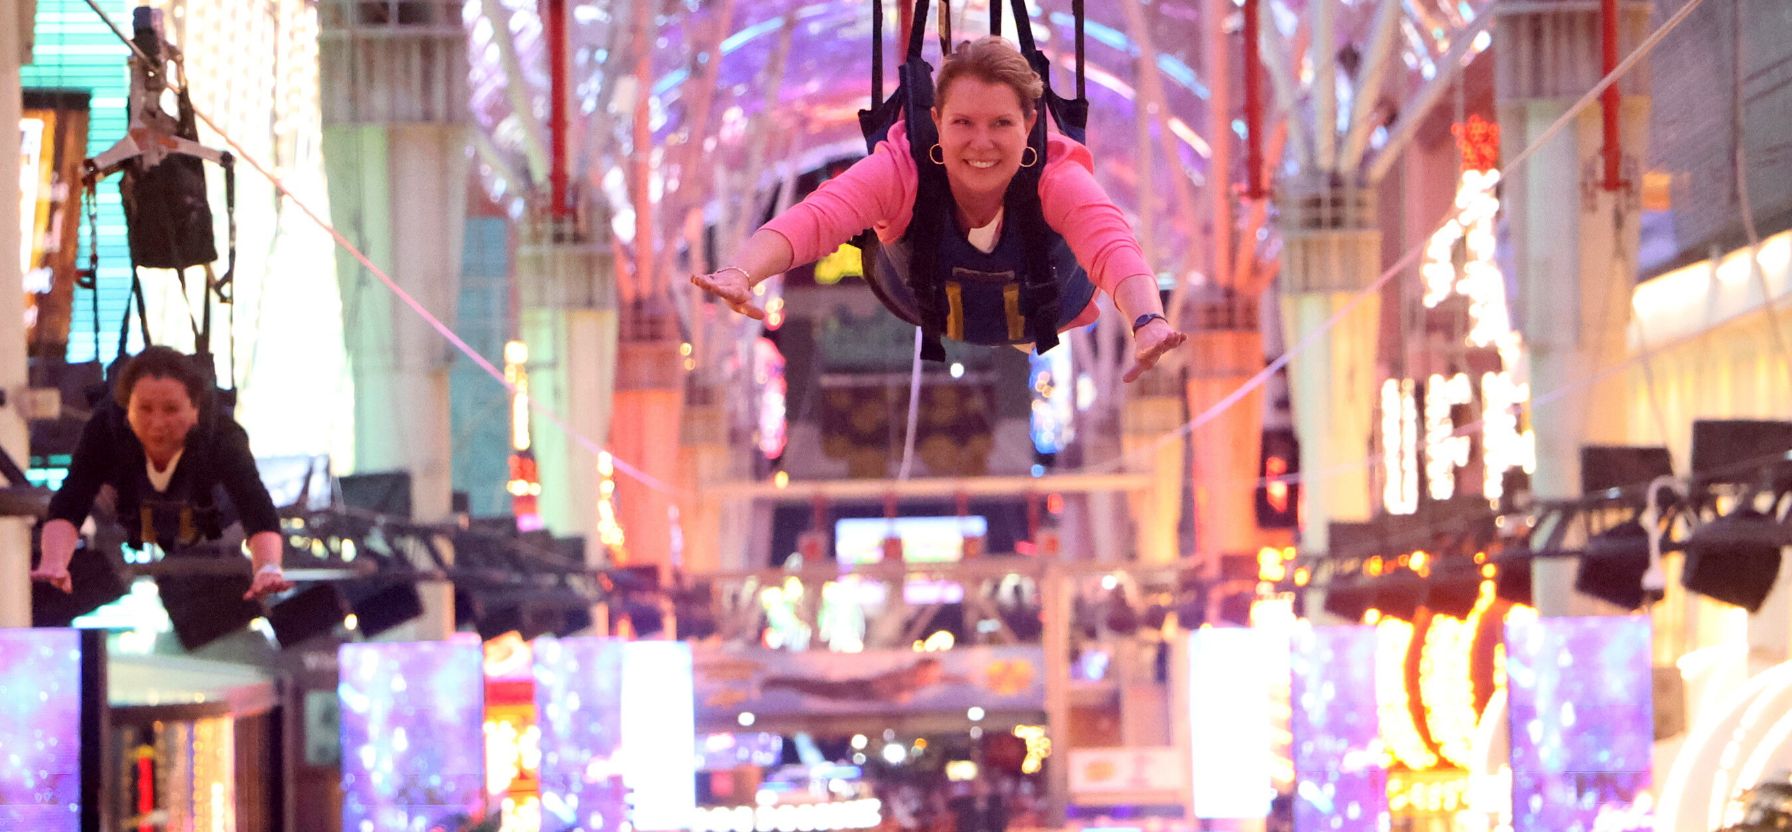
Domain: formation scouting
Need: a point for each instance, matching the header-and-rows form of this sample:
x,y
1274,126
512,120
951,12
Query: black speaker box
x,y
1737,450
1626,467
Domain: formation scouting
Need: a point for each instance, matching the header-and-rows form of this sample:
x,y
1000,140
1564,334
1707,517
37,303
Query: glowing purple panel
x,y
40,730
1337,760
578,706
1582,719
413,744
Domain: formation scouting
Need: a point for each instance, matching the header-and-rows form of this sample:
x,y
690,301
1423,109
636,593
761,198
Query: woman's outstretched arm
x,y
765,254
876,192
1137,297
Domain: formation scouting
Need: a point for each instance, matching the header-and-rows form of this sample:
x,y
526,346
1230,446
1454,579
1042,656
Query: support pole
x,y
1325,90
1055,612
1574,242
554,21
396,152
642,281
1227,349
15,533
1220,138
1333,251
1612,151
1253,102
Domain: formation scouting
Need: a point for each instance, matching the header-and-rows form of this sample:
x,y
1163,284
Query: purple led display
x,y
1341,784
40,730
578,707
1582,719
413,744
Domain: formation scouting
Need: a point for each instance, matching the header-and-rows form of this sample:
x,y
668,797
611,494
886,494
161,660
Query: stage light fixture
x,y
1735,558
1350,598
1399,594
205,608
1513,582
381,492
1453,588
1190,608
309,613
1119,616
1612,567
380,606
1234,610
528,613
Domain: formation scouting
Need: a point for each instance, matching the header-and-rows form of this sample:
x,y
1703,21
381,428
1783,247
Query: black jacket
x,y
216,463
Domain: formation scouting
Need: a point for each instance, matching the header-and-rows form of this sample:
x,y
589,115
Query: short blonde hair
x,y
992,60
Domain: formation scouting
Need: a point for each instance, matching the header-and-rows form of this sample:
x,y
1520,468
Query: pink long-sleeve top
x,y
878,192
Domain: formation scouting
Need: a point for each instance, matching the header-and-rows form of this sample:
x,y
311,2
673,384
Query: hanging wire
x,y
914,411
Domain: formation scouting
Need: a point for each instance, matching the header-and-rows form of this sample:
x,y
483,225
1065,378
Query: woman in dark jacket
x,y
165,452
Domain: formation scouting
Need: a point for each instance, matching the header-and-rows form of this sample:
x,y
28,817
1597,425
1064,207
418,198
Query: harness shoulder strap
x,y
930,190
1040,295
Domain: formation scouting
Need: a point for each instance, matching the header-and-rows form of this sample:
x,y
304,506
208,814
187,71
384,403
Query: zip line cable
x,y
1200,420
1262,376
405,297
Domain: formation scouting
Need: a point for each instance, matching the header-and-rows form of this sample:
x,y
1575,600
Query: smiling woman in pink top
x,y
974,287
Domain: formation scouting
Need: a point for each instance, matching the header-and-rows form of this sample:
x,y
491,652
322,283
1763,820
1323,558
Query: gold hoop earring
x,y
1023,157
936,154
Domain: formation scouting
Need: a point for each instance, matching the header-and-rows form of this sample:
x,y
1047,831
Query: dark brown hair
x,y
991,60
161,362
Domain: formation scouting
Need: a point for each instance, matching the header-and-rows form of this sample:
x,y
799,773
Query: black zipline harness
x,y
168,220
933,278
181,516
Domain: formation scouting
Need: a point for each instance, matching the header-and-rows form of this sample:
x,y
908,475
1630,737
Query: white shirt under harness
x,y
985,238
159,479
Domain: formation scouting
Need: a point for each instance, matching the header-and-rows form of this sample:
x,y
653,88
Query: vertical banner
x,y
1342,784
659,735
40,730
1229,690
1582,719
413,748
578,705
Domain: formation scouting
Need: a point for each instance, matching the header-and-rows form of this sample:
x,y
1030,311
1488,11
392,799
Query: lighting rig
x,y
1729,518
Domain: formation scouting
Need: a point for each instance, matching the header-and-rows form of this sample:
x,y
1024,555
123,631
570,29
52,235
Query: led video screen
x,y
860,540
41,705
413,746
1342,784
578,707
618,733
1582,719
